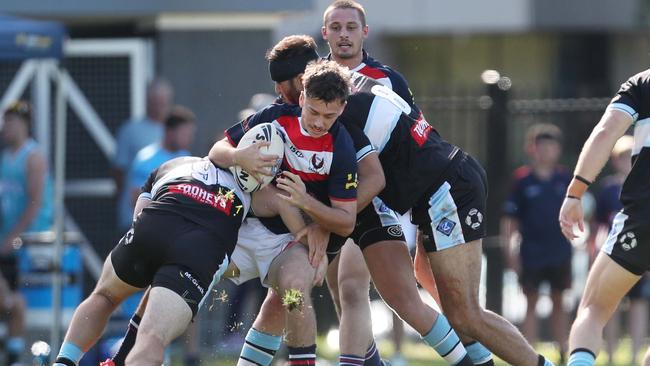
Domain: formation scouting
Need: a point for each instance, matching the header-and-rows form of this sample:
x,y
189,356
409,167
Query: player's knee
x,y
292,281
106,298
353,291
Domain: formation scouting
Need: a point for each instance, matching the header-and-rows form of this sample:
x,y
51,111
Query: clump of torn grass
x,y
293,299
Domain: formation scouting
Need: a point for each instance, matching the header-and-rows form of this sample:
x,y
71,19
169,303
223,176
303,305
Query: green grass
x,y
418,354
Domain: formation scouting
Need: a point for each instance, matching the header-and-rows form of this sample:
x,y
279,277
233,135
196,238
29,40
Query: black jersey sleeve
x,y
342,182
148,184
401,87
633,96
361,143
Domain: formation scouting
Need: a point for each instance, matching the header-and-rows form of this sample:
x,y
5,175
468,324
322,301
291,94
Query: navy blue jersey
x,y
327,164
197,190
386,76
634,98
413,155
608,202
535,203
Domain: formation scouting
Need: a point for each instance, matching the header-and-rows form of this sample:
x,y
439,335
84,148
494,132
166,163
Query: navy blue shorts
x,y
454,212
167,250
375,223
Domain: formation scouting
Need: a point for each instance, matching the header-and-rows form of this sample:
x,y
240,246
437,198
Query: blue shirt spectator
x,y
177,138
134,135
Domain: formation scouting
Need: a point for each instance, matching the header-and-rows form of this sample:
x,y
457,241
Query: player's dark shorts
x,y
453,213
167,250
557,276
628,243
375,223
640,290
9,270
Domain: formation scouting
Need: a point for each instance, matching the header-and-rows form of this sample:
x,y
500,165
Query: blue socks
x,y
581,357
69,355
479,354
446,342
259,348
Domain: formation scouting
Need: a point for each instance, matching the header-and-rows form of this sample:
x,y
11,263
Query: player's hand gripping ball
x,y
262,132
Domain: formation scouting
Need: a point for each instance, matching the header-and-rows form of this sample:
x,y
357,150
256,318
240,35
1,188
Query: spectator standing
x,y
25,206
132,137
532,208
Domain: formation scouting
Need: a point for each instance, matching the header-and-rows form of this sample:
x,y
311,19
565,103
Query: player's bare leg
x,y
355,332
606,285
90,318
391,269
457,271
166,318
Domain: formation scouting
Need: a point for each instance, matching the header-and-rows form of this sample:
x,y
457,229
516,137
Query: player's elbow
x,y
347,224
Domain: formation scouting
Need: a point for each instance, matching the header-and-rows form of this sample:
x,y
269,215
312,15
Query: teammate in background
x,y
623,258
132,136
345,29
531,210
608,205
25,206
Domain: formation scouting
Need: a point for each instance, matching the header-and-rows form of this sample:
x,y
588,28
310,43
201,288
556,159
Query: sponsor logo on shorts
x,y
128,237
474,219
193,280
395,230
446,226
627,241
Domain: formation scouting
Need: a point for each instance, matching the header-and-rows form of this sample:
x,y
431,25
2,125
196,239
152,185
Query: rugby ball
x,y
258,133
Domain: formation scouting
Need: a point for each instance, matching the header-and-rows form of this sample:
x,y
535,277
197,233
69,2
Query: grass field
x,y
418,354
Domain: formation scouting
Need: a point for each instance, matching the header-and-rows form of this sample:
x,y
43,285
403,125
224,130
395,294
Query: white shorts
x,y
256,248
409,230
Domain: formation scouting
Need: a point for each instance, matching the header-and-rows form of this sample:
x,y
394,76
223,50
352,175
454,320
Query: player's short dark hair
x,y
179,115
20,109
288,58
326,81
346,4
543,131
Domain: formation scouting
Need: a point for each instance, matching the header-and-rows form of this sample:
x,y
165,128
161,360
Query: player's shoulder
x,y
382,70
276,110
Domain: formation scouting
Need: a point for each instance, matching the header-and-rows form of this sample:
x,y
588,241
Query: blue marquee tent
x,y
22,39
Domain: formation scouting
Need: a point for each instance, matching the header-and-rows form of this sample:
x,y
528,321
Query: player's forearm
x,y
598,147
333,219
222,154
26,218
291,217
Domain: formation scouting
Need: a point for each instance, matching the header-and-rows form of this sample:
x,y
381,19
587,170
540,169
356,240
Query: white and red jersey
x,y
327,164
